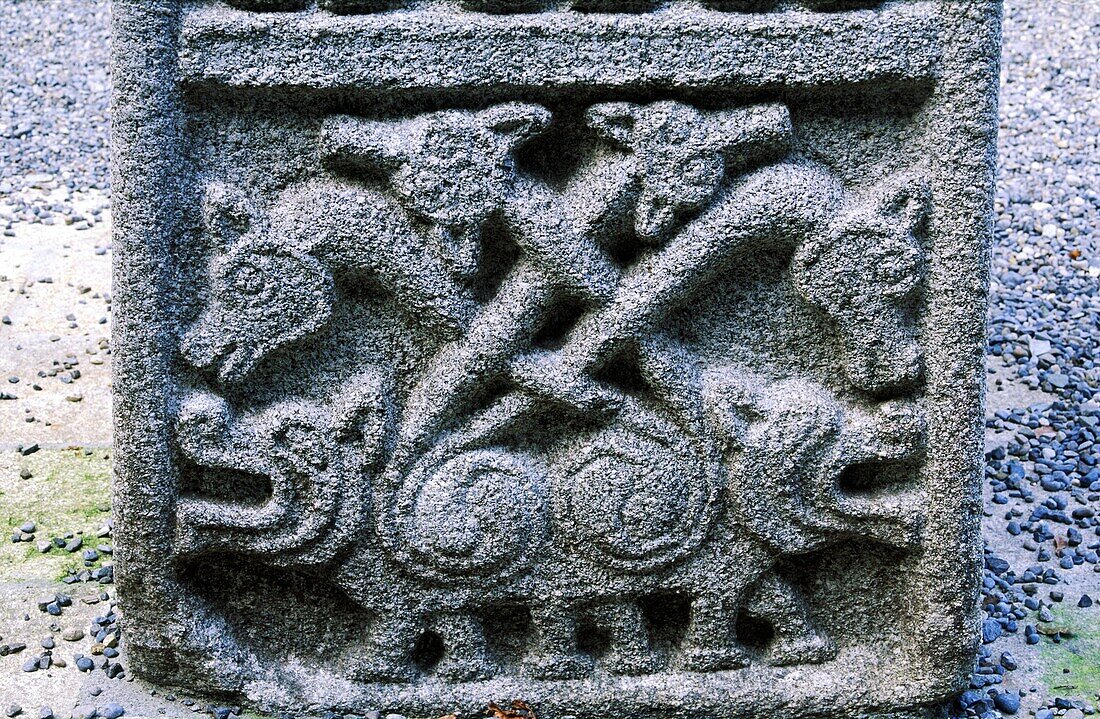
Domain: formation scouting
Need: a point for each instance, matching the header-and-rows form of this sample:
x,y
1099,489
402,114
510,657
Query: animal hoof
x,y
813,649
700,659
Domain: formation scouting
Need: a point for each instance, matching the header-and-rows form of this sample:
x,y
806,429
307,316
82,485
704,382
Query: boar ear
x,y
613,121
363,412
347,141
907,196
517,120
226,213
203,425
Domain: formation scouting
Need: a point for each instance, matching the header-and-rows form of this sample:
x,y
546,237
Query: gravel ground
x,y
53,118
1043,464
1041,653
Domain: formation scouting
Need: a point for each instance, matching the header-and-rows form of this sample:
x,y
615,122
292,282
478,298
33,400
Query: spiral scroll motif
x,y
635,497
470,513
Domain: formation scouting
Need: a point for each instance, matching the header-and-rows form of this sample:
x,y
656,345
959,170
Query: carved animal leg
x,y
629,652
386,656
465,652
460,367
710,644
554,653
796,640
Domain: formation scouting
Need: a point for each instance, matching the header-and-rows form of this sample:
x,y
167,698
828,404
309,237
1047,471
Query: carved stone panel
x,y
622,357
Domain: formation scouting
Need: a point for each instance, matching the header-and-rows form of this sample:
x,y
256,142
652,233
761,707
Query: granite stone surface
x,y
623,358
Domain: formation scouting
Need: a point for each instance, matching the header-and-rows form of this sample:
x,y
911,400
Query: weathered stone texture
x,y
621,357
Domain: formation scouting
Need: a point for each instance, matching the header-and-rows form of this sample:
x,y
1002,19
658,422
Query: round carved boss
x,y
634,498
478,512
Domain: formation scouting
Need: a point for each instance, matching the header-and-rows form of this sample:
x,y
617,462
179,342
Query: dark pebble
x,y
1007,703
991,631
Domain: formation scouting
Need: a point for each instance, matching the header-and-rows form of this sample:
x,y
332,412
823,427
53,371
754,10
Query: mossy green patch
x,y
68,492
1078,651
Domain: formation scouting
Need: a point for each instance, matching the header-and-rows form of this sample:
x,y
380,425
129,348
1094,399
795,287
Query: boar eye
x,y
697,170
248,279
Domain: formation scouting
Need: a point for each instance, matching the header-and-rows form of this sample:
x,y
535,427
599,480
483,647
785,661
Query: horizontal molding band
x,y
423,50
